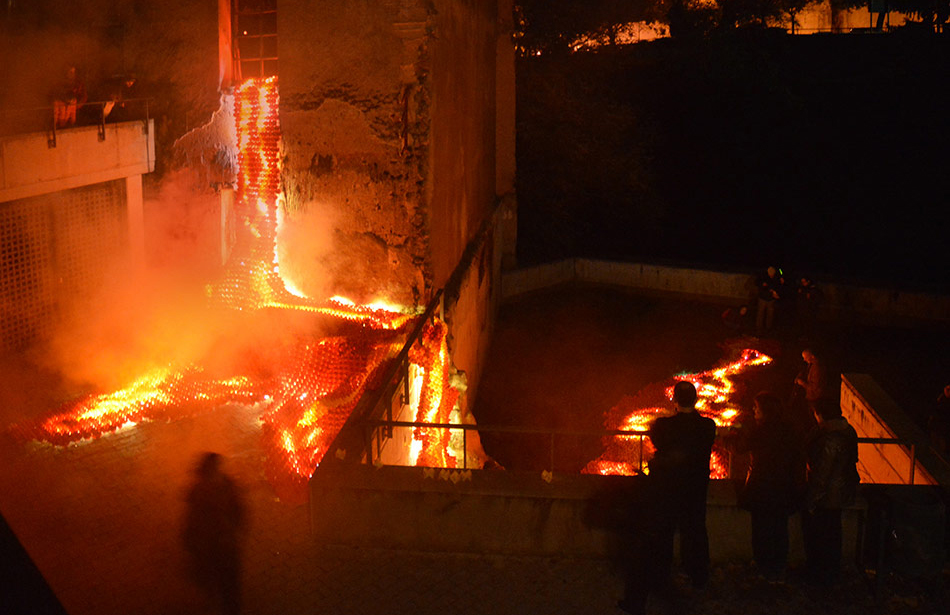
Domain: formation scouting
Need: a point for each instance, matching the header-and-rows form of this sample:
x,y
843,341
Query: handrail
x,y
39,119
466,427
371,400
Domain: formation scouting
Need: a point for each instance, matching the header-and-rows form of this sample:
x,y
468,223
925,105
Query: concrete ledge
x,y
30,167
512,513
869,305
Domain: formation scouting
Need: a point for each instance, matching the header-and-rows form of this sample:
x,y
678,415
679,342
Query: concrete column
x,y
136,217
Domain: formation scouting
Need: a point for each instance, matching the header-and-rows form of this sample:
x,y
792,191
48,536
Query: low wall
x,y
509,513
874,414
865,304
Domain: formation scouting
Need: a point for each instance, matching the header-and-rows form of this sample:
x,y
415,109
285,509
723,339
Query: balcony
x,y
35,163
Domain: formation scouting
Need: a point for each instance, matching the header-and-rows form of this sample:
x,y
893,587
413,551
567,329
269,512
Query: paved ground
x,y
101,519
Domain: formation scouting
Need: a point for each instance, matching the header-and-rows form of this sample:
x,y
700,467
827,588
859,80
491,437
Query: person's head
x,y
946,391
208,464
771,271
684,394
804,281
743,310
809,356
767,407
826,409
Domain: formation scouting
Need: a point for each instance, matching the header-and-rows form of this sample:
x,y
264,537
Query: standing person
x,y
813,378
807,297
679,472
68,96
676,489
774,484
811,384
213,532
938,423
832,451
769,287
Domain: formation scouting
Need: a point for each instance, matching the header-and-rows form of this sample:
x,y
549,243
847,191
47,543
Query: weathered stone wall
x,y
355,125
387,116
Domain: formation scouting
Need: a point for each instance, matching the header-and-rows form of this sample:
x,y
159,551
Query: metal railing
x,y
378,432
93,113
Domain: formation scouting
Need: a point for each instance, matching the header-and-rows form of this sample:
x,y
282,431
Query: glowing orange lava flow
x,y
309,389
716,389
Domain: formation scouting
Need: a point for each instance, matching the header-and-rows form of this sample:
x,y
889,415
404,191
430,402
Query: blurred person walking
x,y
214,525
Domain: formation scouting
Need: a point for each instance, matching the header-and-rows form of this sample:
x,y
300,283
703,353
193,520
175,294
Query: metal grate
x,y
54,247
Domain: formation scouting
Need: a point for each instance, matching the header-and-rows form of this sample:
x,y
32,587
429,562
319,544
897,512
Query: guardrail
x,y
377,432
92,113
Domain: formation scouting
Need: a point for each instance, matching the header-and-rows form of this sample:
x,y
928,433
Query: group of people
x,y
794,466
773,294
69,95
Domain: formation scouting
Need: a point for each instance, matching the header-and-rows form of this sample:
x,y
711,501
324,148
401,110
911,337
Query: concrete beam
x,y
31,166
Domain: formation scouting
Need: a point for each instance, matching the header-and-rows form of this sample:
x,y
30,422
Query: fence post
x,y
913,462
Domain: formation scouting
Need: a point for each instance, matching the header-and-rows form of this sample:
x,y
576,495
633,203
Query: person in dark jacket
x,y
679,471
832,450
769,290
678,482
774,483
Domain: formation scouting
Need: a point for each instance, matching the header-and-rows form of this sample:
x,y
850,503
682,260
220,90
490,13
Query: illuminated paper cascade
x,y
315,382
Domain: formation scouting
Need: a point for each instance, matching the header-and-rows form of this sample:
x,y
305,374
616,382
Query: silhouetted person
x,y
68,95
769,288
807,298
832,451
213,532
679,473
938,423
774,483
736,319
117,91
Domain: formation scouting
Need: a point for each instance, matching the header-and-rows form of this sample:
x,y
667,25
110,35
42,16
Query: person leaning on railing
x,y
67,97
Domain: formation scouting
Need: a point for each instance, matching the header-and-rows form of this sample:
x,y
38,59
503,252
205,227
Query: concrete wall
x,y
30,167
841,301
387,114
461,190
509,512
874,414
355,97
